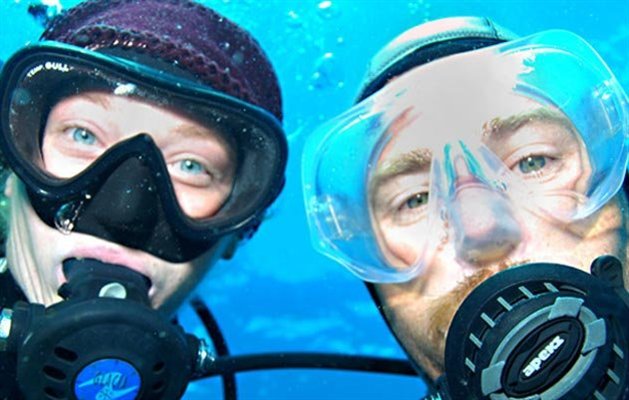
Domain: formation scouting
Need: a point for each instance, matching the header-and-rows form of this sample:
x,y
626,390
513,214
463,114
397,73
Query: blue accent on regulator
x,y
108,379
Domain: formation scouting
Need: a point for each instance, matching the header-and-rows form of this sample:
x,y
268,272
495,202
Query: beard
x,y
438,318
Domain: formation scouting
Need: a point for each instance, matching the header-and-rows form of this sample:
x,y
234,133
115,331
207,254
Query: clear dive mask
x,y
117,181
462,151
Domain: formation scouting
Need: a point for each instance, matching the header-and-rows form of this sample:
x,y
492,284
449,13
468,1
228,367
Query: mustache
x,y
443,309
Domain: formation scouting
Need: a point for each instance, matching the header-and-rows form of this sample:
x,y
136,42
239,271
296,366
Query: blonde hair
x,y
4,207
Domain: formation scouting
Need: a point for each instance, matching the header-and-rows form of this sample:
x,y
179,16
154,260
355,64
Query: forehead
x,y
437,109
418,129
450,99
117,102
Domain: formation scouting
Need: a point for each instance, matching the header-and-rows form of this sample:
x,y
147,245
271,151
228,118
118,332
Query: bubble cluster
x,y
327,73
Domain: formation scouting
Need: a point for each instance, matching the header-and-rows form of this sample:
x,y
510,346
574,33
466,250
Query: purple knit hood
x,y
196,39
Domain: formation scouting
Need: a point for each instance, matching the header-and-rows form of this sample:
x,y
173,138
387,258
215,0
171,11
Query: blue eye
x,y
411,209
191,167
417,200
82,135
532,164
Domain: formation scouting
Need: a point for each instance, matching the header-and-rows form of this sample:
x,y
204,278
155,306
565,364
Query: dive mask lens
x,y
462,151
72,118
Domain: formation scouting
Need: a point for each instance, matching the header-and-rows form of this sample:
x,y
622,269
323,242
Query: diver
x,y
484,200
141,141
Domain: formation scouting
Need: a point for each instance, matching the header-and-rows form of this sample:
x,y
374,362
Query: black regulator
x,y
541,331
103,342
536,332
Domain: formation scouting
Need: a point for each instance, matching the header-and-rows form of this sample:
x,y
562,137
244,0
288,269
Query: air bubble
x,y
327,10
238,58
293,19
500,185
21,97
66,216
327,73
443,214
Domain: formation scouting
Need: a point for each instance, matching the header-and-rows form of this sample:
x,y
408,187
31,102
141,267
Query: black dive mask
x,y
541,331
126,195
125,198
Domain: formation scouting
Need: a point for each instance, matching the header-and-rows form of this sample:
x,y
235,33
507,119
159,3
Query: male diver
x,y
477,187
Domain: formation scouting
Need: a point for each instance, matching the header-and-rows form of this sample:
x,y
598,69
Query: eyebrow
x,y
96,98
417,160
188,130
498,127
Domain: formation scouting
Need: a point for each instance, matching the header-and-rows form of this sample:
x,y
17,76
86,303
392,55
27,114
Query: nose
x,y
484,228
481,217
126,206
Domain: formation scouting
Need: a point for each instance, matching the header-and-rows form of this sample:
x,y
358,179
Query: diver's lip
x,y
111,256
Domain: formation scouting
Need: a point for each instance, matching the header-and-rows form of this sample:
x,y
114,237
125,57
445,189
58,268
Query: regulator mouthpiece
x,y
89,278
544,331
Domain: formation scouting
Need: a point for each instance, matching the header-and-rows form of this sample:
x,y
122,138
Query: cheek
x,y
51,159
405,309
174,282
58,164
402,246
416,324
577,244
32,250
197,203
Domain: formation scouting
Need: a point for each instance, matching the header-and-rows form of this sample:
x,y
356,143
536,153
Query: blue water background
x,y
277,294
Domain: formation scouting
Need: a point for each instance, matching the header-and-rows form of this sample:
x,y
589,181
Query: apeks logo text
x,y
536,363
